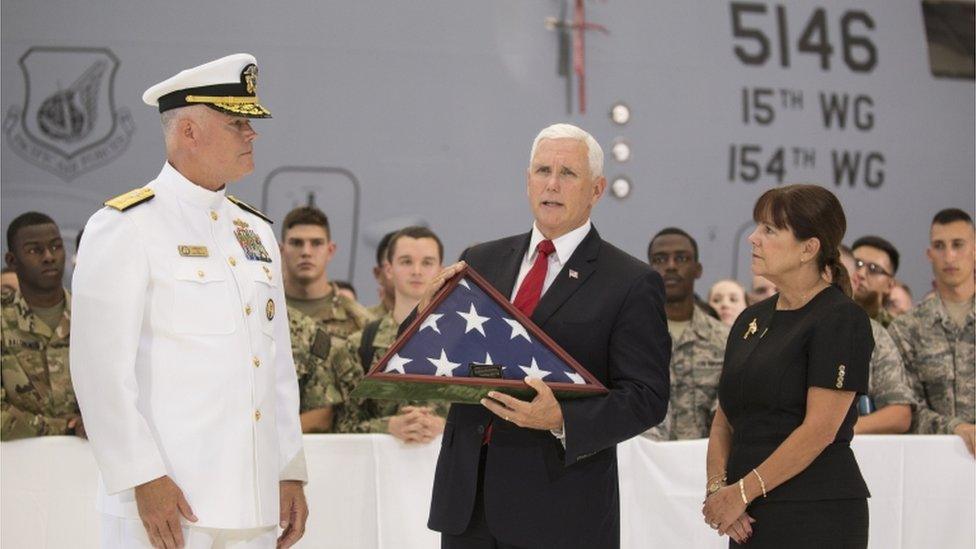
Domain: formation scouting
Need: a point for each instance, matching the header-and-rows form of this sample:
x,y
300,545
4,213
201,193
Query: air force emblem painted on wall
x,y
68,124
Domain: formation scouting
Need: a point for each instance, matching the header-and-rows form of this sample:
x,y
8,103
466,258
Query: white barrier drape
x,y
372,492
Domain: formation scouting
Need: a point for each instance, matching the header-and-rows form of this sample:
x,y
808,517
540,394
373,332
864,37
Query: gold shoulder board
x,y
249,208
132,198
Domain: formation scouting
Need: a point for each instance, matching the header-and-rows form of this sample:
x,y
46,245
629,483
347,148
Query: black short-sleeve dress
x,y
772,358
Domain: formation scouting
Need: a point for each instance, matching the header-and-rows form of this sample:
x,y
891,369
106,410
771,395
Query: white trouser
x,y
123,533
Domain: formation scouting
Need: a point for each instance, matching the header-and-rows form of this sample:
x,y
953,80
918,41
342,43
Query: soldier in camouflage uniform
x,y
875,264
370,415
939,356
414,259
312,349
936,338
889,398
36,398
888,389
697,340
337,314
306,251
696,364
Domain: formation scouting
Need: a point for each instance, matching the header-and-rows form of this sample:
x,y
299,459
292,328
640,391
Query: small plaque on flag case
x,y
471,340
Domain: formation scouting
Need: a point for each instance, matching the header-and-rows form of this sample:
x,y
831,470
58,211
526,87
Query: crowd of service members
x,y
922,377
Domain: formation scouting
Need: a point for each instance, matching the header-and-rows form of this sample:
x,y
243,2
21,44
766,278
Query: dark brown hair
x,y
810,211
306,215
416,232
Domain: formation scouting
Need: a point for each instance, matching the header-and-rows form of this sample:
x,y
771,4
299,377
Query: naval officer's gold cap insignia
x,y
228,84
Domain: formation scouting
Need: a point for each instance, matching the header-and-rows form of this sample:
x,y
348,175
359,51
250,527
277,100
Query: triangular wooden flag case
x,y
471,340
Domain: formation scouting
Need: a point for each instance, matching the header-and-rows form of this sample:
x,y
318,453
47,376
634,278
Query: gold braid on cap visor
x,y
231,103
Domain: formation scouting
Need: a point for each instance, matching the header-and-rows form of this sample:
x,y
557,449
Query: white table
x,y
372,492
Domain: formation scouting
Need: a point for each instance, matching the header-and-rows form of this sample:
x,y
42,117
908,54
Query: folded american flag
x,y
469,341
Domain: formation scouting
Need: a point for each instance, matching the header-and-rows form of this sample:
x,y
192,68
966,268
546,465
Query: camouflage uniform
x,y
884,317
343,316
379,310
696,364
311,348
369,415
939,358
37,396
887,381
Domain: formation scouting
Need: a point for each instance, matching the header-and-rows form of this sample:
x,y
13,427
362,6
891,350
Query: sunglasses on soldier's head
x,y
873,268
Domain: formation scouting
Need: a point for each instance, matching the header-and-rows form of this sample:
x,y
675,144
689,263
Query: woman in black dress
x,y
781,472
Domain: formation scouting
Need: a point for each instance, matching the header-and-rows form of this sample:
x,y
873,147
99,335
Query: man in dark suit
x,y
543,473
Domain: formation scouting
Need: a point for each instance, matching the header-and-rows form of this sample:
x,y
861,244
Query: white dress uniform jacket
x,y
180,355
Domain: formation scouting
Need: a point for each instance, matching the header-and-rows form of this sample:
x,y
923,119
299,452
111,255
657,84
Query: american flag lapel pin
x,y
573,274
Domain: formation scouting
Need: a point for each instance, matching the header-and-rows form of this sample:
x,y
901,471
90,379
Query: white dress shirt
x,y
181,358
565,246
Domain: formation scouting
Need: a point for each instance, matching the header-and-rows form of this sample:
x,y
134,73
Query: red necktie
x,y
531,289
527,298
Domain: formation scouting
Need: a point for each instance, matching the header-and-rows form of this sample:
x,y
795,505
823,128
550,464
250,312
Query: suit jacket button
x,y
481,429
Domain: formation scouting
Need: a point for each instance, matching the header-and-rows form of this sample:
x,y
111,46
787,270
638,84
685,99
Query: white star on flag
x,y
534,370
517,329
431,322
444,366
474,322
464,283
578,379
396,364
488,359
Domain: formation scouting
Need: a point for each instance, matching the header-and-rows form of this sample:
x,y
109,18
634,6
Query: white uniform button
x,y
200,274
257,415
213,215
257,362
233,262
247,310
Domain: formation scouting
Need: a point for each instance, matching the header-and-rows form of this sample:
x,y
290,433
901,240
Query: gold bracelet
x,y
761,483
742,491
713,477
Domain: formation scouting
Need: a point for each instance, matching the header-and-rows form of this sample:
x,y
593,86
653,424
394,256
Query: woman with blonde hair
x,y
728,298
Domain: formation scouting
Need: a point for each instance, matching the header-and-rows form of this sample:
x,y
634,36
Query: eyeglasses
x,y
873,268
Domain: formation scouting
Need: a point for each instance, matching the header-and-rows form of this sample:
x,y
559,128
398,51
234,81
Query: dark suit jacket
x,y
611,320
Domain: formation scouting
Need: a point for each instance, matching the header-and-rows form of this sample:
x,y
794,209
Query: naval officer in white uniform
x,y
180,351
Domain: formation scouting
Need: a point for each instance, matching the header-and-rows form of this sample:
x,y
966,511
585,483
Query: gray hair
x,y
167,118
594,152
170,117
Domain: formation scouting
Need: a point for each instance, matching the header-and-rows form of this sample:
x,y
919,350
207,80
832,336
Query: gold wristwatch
x,y
715,485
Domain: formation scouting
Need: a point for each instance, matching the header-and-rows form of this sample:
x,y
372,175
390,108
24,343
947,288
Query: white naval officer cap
x,y
228,84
